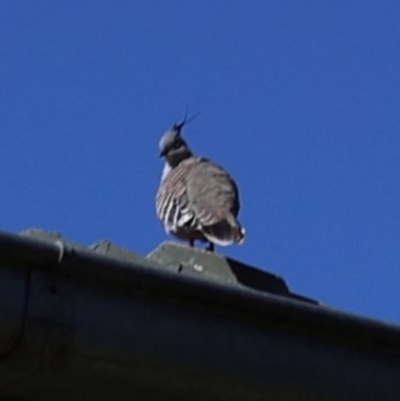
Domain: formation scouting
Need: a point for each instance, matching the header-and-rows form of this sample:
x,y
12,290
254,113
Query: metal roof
x,y
105,323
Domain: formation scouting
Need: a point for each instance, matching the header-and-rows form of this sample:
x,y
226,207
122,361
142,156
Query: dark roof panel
x,y
105,322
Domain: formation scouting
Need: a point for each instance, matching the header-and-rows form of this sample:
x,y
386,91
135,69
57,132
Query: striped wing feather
x,y
213,195
172,204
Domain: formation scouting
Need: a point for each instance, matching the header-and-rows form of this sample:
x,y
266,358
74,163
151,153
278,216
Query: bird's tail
x,y
225,232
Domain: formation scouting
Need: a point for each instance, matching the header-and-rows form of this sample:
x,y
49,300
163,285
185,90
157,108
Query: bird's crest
x,y
178,126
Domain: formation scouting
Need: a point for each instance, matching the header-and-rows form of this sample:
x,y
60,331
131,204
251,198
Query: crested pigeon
x,y
196,199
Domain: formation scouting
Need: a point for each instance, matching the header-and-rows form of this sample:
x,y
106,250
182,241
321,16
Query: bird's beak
x,y
163,153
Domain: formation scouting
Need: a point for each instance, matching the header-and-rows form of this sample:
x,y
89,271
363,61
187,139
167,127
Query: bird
x,y
197,200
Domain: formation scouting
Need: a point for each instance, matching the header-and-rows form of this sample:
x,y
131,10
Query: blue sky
x,y
300,101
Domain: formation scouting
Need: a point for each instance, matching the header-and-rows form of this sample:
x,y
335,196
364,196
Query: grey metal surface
x,y
213,266
99,327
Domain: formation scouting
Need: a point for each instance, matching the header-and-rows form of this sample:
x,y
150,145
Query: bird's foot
x,y
210,247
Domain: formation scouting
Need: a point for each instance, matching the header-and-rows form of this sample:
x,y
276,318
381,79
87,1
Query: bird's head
x,y
173,147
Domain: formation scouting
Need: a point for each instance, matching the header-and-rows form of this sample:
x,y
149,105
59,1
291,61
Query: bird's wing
x,y
214,198
211,192
172,203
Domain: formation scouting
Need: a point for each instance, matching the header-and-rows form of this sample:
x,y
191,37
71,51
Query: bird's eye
x,y
177,144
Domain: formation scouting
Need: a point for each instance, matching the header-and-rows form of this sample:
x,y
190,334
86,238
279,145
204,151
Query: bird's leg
x,y
191,243
210,247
